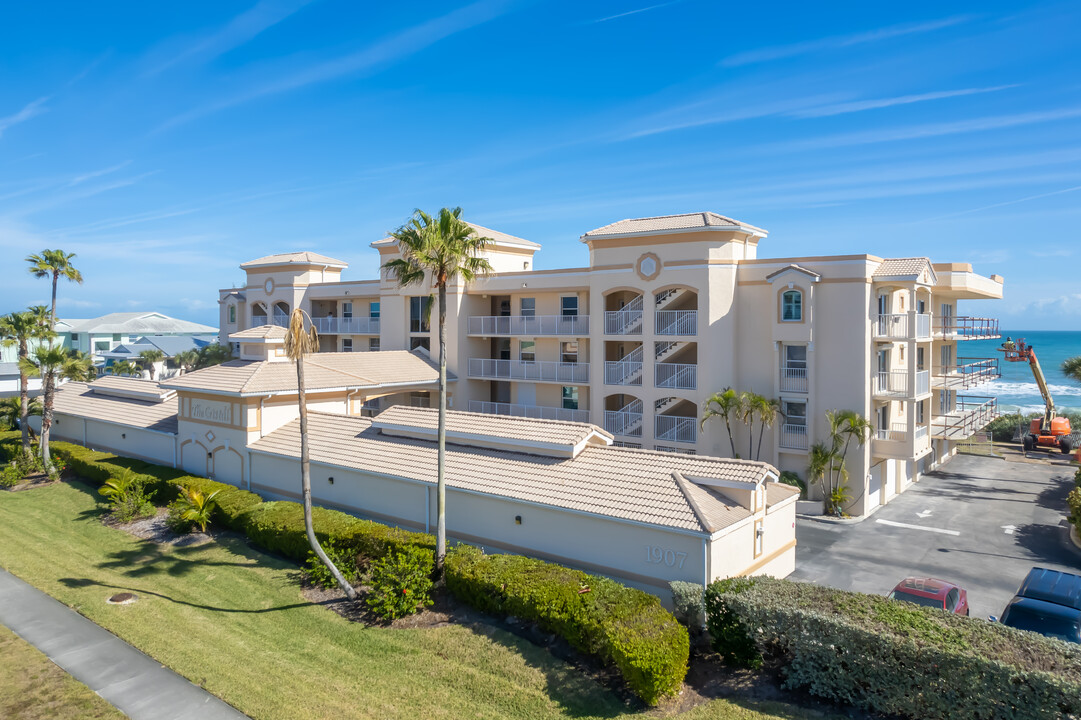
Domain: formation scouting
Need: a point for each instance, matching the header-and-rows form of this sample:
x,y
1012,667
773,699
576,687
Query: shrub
x,y
126,493
175,520
196,507
894,658
729,636
401,583
344,558
621,625
10,476
1073,501
688,598
790,478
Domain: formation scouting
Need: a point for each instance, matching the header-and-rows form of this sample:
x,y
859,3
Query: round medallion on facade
x,y
648,266
268,286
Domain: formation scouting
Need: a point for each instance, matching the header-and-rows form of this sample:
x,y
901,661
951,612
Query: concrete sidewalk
x,y
136,684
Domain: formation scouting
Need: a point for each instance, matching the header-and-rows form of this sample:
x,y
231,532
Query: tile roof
x,y
531,435
635,485
892,267
668,223
322,371
76,398
779,492
294,258
499,238
133,388
135,323
263,332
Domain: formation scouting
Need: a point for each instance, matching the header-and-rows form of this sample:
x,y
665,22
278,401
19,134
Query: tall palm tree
x,y
767,410
819,462
298,343
748,408
19,329
845,427
124,367
47,363
723,404
11,412
79,367
440,249
151,358
186,359
1072,368
53,264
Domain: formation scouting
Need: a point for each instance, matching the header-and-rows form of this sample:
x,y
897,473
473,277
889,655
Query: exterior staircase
x,y
625,321
669,297
625,371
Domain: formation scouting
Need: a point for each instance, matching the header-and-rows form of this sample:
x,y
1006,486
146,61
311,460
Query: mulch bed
x,y
155,530
33,481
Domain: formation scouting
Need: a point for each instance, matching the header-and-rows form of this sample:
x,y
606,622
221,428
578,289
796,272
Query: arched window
x,y
792,306
258,315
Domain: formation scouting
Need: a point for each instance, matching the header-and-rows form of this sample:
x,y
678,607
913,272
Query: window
x,y
418,314
419,399
373,344
795,359
527,351
921,412
945,402
101,346
74,338
568,352
883,304
373,310
568,306
884,417
232,313
501,348
945,356
570,397
419,342
795,413
951,600
347,310
529,307
921,306
116,337
504,307
347,345
792,306
920,358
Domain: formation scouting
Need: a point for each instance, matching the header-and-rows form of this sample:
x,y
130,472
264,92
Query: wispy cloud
x,y
862,105
241,29
79,179
835,42
386,51
1018,201
28,111
632,12
669,121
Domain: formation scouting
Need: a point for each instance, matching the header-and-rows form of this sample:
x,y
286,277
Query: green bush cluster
x,y
401,583
1004,427
1073,501
344,558
688,599
624,626
894,658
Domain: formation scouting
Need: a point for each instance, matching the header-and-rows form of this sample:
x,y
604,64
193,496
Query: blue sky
x,y
165,143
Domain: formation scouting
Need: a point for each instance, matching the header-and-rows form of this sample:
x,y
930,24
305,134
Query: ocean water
x,y
1016,389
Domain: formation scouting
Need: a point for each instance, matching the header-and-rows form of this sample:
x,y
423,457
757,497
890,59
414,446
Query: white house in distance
x,y
98,335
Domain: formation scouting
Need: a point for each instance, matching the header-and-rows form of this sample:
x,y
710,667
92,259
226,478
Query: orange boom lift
x,y
1050,430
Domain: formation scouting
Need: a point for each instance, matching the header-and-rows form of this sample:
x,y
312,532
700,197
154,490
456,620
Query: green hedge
x,y
624,626
892,657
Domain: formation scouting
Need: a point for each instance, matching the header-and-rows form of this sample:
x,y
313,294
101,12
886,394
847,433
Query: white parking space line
x,y
918,527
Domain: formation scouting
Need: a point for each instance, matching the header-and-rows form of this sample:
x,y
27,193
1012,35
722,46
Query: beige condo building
x,y
669,310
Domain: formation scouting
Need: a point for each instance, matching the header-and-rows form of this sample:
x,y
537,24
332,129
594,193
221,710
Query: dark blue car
x,y
1048,602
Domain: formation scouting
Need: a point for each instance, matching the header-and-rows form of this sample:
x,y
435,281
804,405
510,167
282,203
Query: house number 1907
x,y
658,555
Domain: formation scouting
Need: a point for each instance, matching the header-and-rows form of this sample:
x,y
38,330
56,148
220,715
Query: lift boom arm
x,y
1041,382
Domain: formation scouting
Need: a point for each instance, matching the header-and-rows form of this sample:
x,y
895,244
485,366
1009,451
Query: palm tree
x,y
151,358
298,343
845,427
79,367
1072,368
819,463
442,249
723,404
746,413
186,359
19,328
52,264
125,367
47,363
213,354
11,411
767,410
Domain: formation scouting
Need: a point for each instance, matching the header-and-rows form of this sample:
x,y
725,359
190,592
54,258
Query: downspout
x,y
427,508
348,401
705,562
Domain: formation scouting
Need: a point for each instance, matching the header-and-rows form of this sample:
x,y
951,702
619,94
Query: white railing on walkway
x,y
897,383
619,422
967,375
280,320
901,326
675,428
793,379
623,322
558,325
968,328
529,411
543,371
676,322
794,436
969,416
347,326
678,376
622,372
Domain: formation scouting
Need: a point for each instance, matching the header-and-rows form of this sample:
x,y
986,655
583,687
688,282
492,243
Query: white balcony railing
x,y
793,379
675,428
676,376
898,383
279,320
530,325
622,372
529,411
623,322
676,322
619,422
794,436
969,416
902,326
347,326
543,371
898,432
967,328
966,375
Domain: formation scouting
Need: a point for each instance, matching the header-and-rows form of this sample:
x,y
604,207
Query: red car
x,y
932,593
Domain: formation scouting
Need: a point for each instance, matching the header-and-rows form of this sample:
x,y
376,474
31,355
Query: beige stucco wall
x,y
109,437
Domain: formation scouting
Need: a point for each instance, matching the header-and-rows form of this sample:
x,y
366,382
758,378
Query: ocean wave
x,y
1032,389
1006,408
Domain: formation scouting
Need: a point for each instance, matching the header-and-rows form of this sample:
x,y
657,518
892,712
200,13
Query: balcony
x,y
967,328
530,411
967,375
676,322
621,422
793,379
676,376
347,326
894,442
623,322
899,384
902,326
675,428
544,371
971,414
794,437
529,325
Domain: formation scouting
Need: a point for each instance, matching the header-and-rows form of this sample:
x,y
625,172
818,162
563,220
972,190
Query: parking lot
x,y
979,522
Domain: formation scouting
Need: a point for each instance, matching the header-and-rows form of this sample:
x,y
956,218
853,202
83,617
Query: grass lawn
x,y
232,619
32,688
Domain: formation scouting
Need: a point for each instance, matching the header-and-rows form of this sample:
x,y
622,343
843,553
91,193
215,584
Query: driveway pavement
x,y
140,687
980,522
